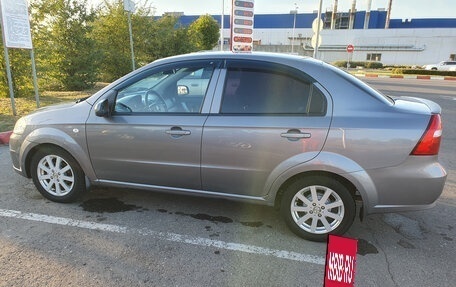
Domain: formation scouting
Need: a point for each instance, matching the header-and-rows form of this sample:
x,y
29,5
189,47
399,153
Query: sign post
x,y
350,48
317,30
16,34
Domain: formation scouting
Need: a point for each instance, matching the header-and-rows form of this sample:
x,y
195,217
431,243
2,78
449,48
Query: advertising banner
x,y
242,26
340,261
15,24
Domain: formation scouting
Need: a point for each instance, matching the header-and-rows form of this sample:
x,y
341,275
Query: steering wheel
x,y
122,108
155,103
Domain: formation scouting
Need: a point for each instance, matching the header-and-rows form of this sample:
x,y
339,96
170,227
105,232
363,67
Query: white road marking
x,y
174,237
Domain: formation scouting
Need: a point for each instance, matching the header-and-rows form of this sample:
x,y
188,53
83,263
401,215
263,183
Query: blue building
x,y
403,42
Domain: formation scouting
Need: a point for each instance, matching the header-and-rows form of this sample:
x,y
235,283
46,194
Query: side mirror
x,y
182,90
102,109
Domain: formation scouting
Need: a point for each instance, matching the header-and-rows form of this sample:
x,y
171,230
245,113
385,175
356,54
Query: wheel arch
x,y
344,181
337,166
55,138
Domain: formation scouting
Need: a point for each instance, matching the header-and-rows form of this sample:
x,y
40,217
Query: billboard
x,y
15,24
242,26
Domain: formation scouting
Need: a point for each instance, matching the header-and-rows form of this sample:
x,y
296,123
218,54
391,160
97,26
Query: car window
x,y
268,91
171,89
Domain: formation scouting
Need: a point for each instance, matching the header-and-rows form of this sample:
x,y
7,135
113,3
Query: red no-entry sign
x,y
350,48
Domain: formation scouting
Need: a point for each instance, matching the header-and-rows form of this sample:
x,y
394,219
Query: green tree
x,y
112,40
204,32
167,38
152,38
64,50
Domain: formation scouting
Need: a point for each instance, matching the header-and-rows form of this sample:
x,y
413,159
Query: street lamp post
x,y
222,39
129,6
295,11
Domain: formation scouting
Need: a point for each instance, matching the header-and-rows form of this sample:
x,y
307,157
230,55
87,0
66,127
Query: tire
x,y
316,206
57,175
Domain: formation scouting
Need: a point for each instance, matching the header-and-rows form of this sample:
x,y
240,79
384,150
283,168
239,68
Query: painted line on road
x,y
174,237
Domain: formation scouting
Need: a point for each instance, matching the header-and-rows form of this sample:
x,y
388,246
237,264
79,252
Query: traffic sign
x,y
317,25
350,48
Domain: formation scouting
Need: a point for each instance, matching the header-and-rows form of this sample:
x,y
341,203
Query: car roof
x,y
258,56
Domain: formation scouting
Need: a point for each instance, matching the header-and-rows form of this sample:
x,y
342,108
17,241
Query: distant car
x,y
279,130
442,66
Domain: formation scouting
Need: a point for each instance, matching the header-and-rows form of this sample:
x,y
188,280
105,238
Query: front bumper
x,y
15,153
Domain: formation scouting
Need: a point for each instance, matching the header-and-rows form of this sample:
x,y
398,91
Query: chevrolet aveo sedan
x,y
279,130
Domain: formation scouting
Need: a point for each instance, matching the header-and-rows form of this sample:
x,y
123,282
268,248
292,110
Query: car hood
x,y
65,113
53,108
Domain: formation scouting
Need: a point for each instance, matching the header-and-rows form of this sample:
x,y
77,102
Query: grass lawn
x,y
26,105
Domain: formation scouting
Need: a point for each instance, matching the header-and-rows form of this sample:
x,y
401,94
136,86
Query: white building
x,y
403,42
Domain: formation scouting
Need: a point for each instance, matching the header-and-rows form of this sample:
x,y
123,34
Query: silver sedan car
x,y
279,130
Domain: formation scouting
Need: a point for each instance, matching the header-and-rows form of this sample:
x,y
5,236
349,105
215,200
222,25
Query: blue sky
x,y
401,9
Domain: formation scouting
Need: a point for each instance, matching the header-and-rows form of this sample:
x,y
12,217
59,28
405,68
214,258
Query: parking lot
x,y
119,237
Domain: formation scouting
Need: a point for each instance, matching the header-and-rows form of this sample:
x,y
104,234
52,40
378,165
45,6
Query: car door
x,y
266,119
152,137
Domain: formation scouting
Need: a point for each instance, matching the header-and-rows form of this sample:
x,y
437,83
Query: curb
x,y
417,77
4,137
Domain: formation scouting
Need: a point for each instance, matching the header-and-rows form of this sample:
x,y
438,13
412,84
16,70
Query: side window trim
x,y
270,67
208,95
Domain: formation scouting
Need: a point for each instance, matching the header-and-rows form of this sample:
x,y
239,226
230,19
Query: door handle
x,y
295,135
177,132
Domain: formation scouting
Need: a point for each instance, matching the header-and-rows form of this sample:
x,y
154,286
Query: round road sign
x,y
350,48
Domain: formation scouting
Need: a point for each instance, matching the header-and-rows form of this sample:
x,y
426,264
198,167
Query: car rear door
x,y
265,119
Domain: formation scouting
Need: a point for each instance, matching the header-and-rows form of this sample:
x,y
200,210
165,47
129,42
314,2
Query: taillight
x,y
429,143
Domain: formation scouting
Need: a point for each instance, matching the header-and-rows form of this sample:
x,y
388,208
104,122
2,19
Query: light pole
x,y
221,24
295,11
129,6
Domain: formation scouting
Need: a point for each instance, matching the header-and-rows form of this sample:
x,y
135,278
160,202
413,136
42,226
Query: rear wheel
x,y
57,175
316,206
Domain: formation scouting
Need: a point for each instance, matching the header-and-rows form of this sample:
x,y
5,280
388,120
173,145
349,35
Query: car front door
x,y
153,136
270,118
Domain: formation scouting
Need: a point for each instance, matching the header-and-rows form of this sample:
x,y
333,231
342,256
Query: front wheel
x,y
57,175
316,206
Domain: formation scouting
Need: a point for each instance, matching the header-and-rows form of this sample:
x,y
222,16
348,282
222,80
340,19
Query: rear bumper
x,y
416,184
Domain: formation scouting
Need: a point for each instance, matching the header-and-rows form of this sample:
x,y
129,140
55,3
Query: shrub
x,y
354,64
429,72
374,65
